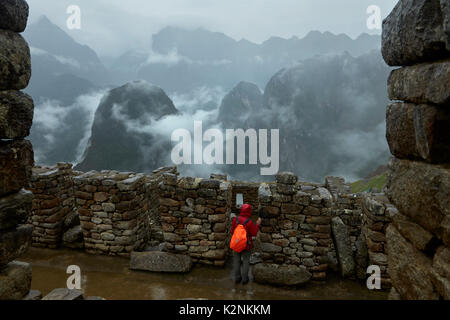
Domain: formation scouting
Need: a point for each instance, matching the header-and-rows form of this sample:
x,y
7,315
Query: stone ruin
x,y
16,153
416,37
53,204
307,228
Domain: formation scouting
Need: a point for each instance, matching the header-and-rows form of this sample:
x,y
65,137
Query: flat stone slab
x,y
280,275
33,295
64,294
160,262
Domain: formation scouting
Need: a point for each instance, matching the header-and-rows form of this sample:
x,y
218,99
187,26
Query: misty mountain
x,y
331,116
60,54
239,104
182,60
329,110
324,92
122,137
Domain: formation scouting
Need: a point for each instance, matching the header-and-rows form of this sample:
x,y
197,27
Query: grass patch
x,y
377,182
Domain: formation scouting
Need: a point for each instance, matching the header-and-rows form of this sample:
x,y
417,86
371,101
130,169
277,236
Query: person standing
x,y
243,229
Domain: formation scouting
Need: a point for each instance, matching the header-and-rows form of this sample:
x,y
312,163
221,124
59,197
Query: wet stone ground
x,y
109,277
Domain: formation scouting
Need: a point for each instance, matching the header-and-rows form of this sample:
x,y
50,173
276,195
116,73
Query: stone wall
x,y
249,191
295,228
416,36
53,203
16,154
195,217
113,211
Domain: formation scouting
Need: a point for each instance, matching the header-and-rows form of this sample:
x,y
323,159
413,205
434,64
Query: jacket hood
x,y
246,210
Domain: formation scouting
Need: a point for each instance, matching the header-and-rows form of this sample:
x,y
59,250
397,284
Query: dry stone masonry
x,y
113,211
249,191
53,202
295,230
195,217
416,36
16,153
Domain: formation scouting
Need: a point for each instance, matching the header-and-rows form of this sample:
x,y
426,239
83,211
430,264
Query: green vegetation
x,y
377,182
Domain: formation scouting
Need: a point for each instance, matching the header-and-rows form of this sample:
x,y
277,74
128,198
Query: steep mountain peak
x,y
122,133
240,102
43,20
47,37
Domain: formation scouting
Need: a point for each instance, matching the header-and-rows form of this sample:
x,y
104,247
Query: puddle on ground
x,y
109,277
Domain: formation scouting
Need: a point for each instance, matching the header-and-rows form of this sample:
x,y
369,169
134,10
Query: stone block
x,y
15,209
13,15
280,275
409,269
14,243
420,191
16,114
16,162
426,83
15,281
416,31
64,294
160,262
418,132
15,61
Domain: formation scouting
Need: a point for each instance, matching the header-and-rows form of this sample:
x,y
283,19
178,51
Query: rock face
x,y
343,247
416,35
280,275
16,114
15,280
160,262
13,15
16,154
15,61
416,31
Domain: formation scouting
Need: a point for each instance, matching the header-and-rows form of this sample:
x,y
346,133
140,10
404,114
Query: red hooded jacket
x,y
251,228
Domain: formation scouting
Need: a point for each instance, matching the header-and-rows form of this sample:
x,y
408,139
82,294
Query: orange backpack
x,y
238,241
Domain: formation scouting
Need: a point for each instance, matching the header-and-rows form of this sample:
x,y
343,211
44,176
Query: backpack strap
x,y
238,223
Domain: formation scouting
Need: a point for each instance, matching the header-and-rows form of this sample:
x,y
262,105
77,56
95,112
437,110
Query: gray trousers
x,y
241,265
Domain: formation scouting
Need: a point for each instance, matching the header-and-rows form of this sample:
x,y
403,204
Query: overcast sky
x,y
112,27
